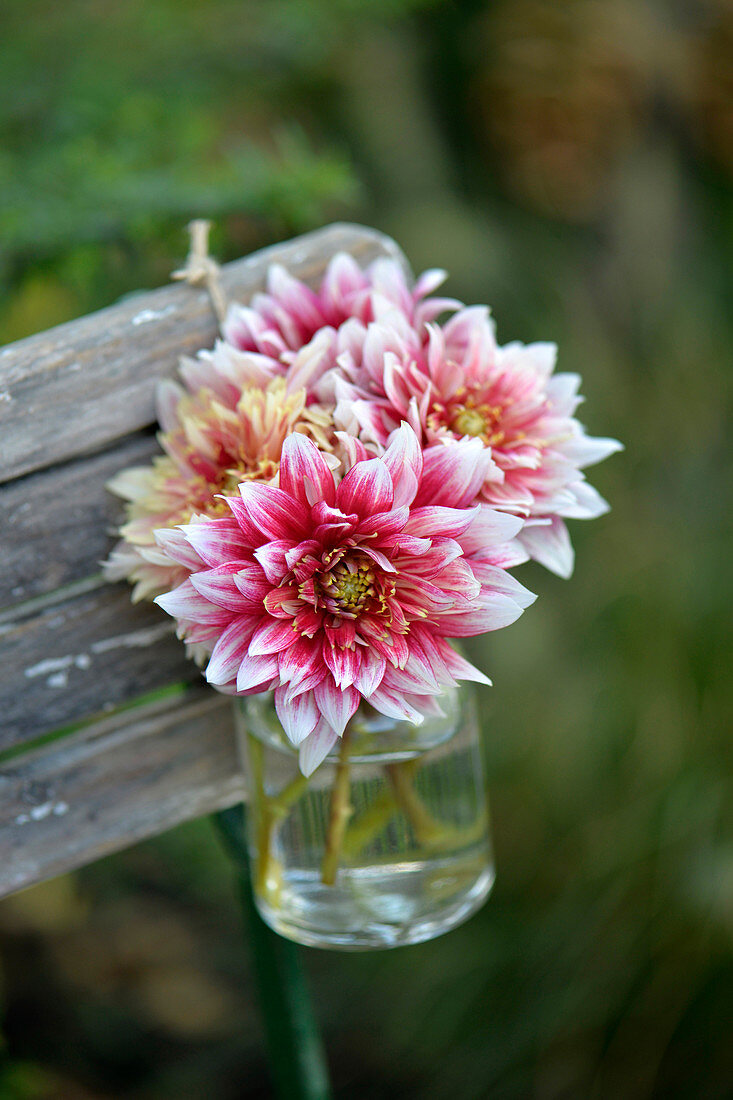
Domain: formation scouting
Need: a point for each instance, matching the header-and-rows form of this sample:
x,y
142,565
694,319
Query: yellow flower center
x,y
467,421
350,585
481,421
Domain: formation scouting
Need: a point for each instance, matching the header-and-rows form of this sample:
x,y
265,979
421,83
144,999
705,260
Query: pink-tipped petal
x,y
177,547
301,666
394,705
298,716
256,672
454,473
498,611
336,704
304,473
316,747
230,650
272,556
370,674
273,512
344,663
216,541
185,603
218,586
272,636
428,522
366,489
403,458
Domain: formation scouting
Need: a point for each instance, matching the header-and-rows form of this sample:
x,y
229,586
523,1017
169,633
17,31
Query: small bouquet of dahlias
x,y
348,478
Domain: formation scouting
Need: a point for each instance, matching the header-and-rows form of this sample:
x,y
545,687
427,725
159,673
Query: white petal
x,y
549,544
316,747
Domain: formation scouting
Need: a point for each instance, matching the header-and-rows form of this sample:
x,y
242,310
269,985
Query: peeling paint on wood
x,y
114,783
64,664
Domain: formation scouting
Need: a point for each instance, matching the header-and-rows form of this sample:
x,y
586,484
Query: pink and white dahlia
x,y
331,593
281,321
452,381
213,440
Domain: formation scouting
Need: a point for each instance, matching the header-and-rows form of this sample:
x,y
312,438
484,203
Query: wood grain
x,y
76,406
113,784
82,657
76,388
57,523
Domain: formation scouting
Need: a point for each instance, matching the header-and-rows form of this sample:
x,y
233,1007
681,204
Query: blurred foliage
x,y
571,165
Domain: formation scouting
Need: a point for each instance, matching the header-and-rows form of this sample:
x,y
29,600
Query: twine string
x,y
201,269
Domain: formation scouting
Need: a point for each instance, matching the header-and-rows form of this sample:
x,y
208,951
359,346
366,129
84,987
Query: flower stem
x,y
296,1058
341,811
369,824
267,871
427,830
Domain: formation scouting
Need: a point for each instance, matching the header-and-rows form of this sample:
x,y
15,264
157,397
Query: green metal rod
x,y
296,1058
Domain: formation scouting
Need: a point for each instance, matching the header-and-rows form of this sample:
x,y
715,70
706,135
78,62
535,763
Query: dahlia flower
x,y
331,593
228,424
213,440
278,323
452,381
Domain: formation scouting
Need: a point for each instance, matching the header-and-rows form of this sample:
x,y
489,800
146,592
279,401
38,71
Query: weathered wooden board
x,y
82,657
56,523
76,388
73,648
110,785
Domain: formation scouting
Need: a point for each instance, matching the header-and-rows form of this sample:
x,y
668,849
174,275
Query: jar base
x,y
373,907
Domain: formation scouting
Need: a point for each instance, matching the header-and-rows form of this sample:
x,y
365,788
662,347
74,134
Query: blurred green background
x,y
569,163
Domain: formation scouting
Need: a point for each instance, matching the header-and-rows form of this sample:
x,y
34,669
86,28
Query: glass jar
x,y
387,843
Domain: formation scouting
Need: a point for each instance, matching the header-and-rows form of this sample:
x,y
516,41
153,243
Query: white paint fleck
x,y
74,366
147,315
6,397
51,664
40,813
56,669
136,639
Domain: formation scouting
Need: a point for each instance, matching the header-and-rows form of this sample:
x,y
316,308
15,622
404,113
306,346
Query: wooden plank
x,y
81,657
76,388
111,785
57,522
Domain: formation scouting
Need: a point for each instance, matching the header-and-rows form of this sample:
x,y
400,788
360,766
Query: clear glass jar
x,y
387,843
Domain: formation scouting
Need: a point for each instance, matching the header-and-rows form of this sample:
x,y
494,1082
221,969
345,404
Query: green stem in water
x,y
296,1056
433,835
427,830
266,872
270,812
341,811
369,824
